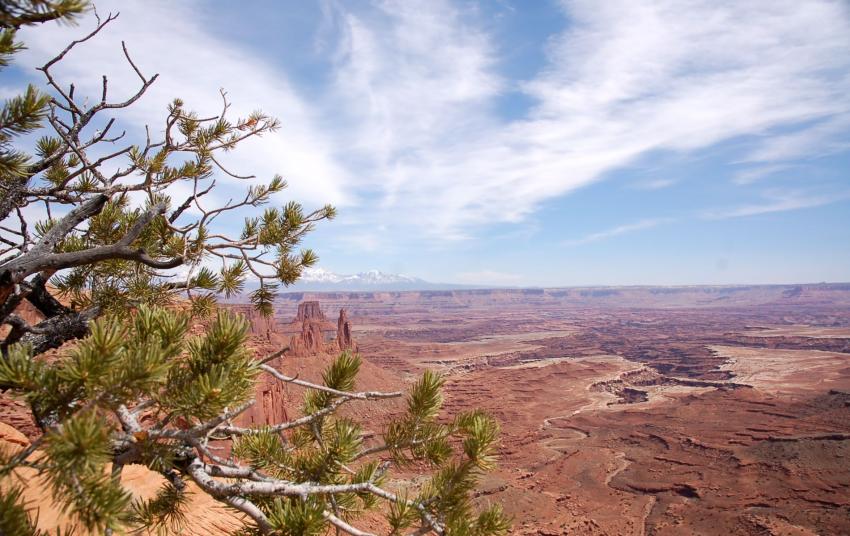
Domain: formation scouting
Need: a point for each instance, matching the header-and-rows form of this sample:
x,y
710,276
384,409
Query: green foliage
x,y
120,363
217,373
340,375
263,299
19,115
162,232
164,513
297,517
139,388
17,13
402,514
77,457
25,113
14,518
328,452
266,452
18,519
186,381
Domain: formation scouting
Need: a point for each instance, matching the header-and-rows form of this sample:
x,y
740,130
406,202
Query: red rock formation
x,y
260,325
310,331
309,310
310,341
344,341
315,332
271,400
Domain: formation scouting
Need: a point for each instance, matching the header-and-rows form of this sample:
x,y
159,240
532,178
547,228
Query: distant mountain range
x,y
321,280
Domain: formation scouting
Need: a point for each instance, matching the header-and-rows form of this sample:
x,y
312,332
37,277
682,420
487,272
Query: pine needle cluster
x,y
141,390
116,235
138,388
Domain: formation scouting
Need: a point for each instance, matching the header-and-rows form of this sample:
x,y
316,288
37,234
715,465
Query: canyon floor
x,y
635,411
720,411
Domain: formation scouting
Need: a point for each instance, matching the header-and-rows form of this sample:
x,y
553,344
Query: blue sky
x,y
522,142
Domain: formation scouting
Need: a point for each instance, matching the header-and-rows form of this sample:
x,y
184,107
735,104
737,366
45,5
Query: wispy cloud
x,y
172,39
410,131
755,174
776,201
617,231
623,80
655,184
820,139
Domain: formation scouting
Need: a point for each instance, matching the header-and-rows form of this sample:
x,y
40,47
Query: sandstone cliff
x,y
344,340
310,341
312,334
260,325
310,310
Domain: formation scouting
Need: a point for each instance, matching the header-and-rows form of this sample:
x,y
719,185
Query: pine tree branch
x,y
200,473
385,447
343,526
42,299
251,510
203,428
274,355
363,395
54,332
76,216
280,427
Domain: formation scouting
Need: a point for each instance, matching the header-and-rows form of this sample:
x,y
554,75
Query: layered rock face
x,y
310,310
271,401
312,333
309,334
310,341
260,325
344,341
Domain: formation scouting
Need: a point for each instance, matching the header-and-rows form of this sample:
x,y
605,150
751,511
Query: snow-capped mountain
x,y
320,279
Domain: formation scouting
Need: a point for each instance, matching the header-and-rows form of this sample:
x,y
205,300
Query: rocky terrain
x,y
682,410
643,411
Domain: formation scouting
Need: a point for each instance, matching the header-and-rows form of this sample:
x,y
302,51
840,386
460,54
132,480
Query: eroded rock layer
x,y
309,310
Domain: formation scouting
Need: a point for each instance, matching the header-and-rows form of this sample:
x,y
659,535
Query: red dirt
x,y
694,410
643,411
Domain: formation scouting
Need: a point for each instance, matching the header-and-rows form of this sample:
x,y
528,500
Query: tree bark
x,y
56,331
43,300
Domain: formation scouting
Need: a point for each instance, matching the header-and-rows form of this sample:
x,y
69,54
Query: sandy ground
x,y
632,420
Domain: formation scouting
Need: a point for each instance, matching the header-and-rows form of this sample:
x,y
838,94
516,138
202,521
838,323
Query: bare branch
x,y
133,65
364,395
343,526
280,427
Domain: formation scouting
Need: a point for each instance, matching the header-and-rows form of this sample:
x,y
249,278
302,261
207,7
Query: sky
x,y
518,143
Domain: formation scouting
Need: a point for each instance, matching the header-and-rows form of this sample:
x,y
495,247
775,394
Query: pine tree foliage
x,y
137,387
297,477
103,249
17,13
25,113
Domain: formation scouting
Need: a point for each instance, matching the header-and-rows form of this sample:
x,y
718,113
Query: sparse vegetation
x,y
105,253
295,477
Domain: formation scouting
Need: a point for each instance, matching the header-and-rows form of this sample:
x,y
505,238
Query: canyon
x,y
638,410
635,410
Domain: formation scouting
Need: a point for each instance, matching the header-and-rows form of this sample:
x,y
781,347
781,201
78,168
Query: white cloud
x,y
776,201
617,231
171,39
655,184
410,130
625,79
820,139
755,174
